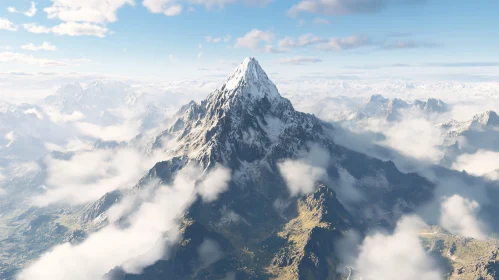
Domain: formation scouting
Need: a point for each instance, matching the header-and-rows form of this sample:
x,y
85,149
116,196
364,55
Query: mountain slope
x,y
262,228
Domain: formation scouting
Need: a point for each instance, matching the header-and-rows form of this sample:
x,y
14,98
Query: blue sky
x,y
137,38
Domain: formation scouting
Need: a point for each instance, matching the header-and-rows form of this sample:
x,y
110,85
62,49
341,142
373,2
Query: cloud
x,y
172,58
227,38
35,28
166,7
29,59
397,256
80,29
299,60
407,45
2,179
88,175
480,163
254,39
6,24
272,49
302,41
302,175
209,4
92,11
216,182
45,46
200,54
152,229
69,29
209,252
464,64
352,42
11,10
459,216
122,132
321,21
31,11
343,7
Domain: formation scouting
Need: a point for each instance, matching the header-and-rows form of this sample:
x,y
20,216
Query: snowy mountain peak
x,y
249,79
488,118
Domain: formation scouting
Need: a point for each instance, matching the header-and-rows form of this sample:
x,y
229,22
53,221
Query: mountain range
x,y
274,194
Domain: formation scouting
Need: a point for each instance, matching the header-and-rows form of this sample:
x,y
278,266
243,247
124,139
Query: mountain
x,y
392,109
479,133
263,229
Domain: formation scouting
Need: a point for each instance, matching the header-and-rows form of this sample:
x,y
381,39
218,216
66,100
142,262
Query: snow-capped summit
x,y
250,76
488,118
432,105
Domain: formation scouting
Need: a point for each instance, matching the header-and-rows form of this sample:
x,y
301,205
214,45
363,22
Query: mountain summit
x,y
250,75
265,227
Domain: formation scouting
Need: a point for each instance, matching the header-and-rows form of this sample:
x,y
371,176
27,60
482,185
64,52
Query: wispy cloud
x,y
254,39
29,59
342,7
6,24
299,60
45,46
69,29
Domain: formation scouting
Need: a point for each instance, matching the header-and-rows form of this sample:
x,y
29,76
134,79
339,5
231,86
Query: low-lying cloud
x,y
153,227
88,175
302,175
459,216
397,256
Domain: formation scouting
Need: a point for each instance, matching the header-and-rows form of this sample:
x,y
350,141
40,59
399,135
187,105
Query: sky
x,y
439,39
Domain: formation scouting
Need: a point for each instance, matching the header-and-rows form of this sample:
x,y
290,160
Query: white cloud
x,y
153,228
321,21
11,10
200,54
200,46
88,175
302,41
272,49
89,11
80,29
221,3
299,60
2,179
302,175
217,40
31,11
69,29
459,216
29,59
397,256
57,117
6,24
216,182
227,38
166,7
118,133
342,7
254,39
35,28
209,252
480,163
45,46
352,42
172,58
